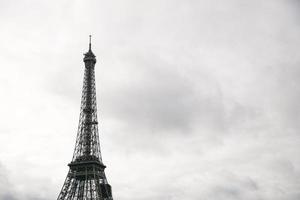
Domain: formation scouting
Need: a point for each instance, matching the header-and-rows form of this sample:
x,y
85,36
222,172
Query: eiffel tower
x,y
86,179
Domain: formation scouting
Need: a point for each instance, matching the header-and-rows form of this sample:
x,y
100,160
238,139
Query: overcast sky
x,y
197,99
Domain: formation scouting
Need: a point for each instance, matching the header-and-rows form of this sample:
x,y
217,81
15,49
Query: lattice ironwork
x,y
86,179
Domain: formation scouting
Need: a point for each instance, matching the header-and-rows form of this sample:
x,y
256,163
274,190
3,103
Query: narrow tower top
x,y
90,44
89,56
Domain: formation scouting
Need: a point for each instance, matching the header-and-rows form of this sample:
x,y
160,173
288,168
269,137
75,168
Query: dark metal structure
x,y
86,178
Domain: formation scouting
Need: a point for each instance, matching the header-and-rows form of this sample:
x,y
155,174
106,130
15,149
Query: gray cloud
x,y
161,97
6,187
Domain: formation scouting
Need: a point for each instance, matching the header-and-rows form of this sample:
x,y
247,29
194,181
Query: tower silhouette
x,y
86,179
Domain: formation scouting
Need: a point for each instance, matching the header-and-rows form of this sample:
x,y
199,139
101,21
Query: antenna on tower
x,y
90,44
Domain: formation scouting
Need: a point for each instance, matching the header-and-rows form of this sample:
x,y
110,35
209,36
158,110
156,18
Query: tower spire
x,y
90,44
89,56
